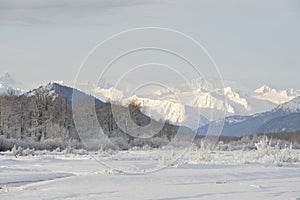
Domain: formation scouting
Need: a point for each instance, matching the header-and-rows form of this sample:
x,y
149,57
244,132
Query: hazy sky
x,y
253,42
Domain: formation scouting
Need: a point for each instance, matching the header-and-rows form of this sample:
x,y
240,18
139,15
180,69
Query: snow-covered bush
x,y
263,148
248,143
6,144
201,154
16,151
28,152
57,150
269,153
68,150
265,151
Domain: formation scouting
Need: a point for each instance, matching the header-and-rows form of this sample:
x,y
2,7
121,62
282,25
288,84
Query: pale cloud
x,y
61,12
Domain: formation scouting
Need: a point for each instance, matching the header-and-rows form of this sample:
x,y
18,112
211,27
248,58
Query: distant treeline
x,y
287,136
293,137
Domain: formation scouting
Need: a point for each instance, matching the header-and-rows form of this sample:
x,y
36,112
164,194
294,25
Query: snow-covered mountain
x,y
6,79
157,108
182,106
8,83
285,117
276,96
174,112
162,104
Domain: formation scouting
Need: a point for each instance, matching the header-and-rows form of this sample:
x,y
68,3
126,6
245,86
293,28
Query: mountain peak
x,y
263,89
202,85
229,90
6,79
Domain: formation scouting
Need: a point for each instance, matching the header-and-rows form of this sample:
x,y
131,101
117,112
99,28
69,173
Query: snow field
x,y
268,172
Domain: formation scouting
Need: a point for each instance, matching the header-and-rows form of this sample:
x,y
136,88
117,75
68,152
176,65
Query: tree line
x,y
38,116
42,116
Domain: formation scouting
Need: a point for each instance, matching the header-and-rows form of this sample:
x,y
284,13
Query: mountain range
x,y
283,118
263,110
204,103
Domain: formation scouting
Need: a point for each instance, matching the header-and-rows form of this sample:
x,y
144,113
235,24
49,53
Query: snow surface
x,y
199,175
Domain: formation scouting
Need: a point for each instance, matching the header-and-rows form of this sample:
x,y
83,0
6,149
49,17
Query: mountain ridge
x,y
275,120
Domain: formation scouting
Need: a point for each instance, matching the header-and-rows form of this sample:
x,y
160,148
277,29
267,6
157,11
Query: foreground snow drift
x,y
199,175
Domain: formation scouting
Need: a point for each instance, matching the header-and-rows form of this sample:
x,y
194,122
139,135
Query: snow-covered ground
x,y
265,173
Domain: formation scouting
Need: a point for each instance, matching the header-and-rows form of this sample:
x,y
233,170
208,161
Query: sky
x,y
253,42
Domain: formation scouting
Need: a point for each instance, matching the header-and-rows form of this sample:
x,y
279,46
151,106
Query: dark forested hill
x,y
46,113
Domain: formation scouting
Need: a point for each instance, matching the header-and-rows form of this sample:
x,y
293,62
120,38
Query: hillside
x,y
283,118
